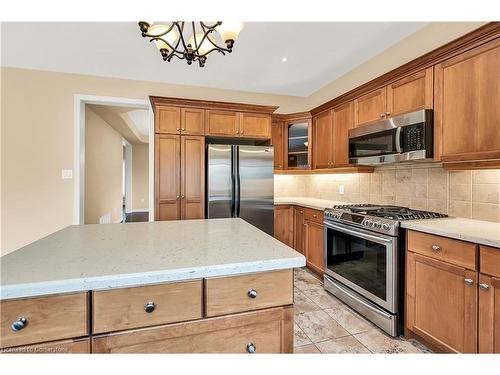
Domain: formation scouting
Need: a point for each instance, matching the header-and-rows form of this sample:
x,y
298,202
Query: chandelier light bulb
x,y
229,30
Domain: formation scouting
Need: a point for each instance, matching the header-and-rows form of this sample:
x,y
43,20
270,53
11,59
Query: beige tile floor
x,y
324,324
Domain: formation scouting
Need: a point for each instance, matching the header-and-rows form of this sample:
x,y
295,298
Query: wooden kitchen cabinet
x,y
192,177
277,140
167,120
370,107
489,314
192,121
298,229
222,123
441,303
255,125
466,105
167,176
283,224
313,247
343,120
323,140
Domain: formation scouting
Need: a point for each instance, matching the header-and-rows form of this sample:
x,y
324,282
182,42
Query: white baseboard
x,y
138,210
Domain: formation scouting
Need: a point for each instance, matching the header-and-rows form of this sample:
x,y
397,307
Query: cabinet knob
x,y
182,197
19,324
468,281
177,197
149,307
177,129
251,348
241,132
387,113
252,293
484,286
435,248
301,212
315,216
381,115
183,129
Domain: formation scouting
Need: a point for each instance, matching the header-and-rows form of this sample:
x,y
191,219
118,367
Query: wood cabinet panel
x,y
489,314
441,301
192,121
76,346
314,246
167,120
323,140
270,331
452,251
255,125
277,140
192,177
411,93
343,120
313,215
283,224
370,107
489,261
298,229
167,176
466,105
47,318
119,309
226,295
222,123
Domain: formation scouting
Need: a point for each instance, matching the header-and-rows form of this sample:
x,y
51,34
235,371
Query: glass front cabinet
x,y
298,140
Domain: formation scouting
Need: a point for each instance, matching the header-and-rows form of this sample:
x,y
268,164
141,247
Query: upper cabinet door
x,y
222,123
192,121
323,141
255,125
343,120
467,97
277,140
192,177
370,107
167,120
410,93
167,176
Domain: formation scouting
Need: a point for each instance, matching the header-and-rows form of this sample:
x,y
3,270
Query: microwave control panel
x,y
414,137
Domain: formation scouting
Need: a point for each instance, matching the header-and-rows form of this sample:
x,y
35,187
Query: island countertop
x,y
101,256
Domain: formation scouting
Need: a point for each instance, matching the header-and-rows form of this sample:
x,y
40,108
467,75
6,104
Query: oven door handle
x,y
359,234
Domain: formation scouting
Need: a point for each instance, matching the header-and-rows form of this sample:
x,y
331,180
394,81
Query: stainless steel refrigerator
x,y
240,183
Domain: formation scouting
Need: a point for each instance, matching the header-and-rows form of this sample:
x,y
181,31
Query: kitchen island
x,y
217,285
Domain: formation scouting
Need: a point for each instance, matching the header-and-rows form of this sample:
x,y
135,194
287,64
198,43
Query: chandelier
x,y
204,38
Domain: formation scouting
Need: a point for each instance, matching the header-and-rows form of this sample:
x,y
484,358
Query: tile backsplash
x,y
470,194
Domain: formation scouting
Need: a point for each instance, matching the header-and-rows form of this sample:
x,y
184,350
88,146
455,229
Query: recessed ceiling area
x,y
316,53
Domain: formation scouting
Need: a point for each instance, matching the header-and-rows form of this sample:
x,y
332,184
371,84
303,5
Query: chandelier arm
x,y
195,47
213,49
213,26
211,42
173,49
181,36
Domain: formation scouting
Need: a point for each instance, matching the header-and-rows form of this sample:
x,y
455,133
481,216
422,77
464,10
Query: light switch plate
x,y
341,189
66,174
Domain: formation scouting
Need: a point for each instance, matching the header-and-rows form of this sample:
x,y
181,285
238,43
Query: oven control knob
x,y
386,227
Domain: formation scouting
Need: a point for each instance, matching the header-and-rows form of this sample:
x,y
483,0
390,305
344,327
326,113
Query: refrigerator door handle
x,y
237,195
233,182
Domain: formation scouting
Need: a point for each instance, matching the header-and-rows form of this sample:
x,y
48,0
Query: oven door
x,y
364,261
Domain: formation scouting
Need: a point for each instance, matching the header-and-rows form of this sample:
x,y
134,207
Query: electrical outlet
x,y
341,189
66,174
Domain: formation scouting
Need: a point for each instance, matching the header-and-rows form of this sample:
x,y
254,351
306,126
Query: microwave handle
x,y
399,146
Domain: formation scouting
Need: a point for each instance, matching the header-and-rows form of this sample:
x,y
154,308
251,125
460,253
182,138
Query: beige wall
x,y
103,170
470,194
140,177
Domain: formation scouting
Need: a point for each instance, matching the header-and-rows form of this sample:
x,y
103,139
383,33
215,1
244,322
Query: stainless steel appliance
x,y
240,183
364,259
407,137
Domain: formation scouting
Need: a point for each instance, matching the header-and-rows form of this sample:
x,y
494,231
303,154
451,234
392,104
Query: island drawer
x,y
39,319
264,331
120,309
226,295
448,250
489,261
313,215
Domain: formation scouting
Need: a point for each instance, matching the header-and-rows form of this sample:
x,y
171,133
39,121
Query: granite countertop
x,y
476,231
318,204
99,256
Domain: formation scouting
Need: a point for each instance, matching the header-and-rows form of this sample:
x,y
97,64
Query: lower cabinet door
x,y
314,251
74,346
298,229
441,301
265,331
489,314
283,224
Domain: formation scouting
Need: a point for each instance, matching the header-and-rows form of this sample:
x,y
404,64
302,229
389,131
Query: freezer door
x,y
220,181
255,183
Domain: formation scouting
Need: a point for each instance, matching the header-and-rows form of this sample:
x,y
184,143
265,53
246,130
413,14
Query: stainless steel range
x,y
364,259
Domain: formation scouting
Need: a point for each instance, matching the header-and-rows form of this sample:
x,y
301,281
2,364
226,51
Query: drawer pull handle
x,y
19,324
469,281
149,307
484,286
252,293
251,348
435,248
315,216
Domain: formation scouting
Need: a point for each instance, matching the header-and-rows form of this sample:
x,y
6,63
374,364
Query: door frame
x,y
80,101
128,157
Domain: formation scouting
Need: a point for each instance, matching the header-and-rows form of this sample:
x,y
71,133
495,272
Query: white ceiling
x,y
317,53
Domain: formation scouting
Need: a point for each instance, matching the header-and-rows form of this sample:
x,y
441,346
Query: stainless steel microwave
x,y
401,138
